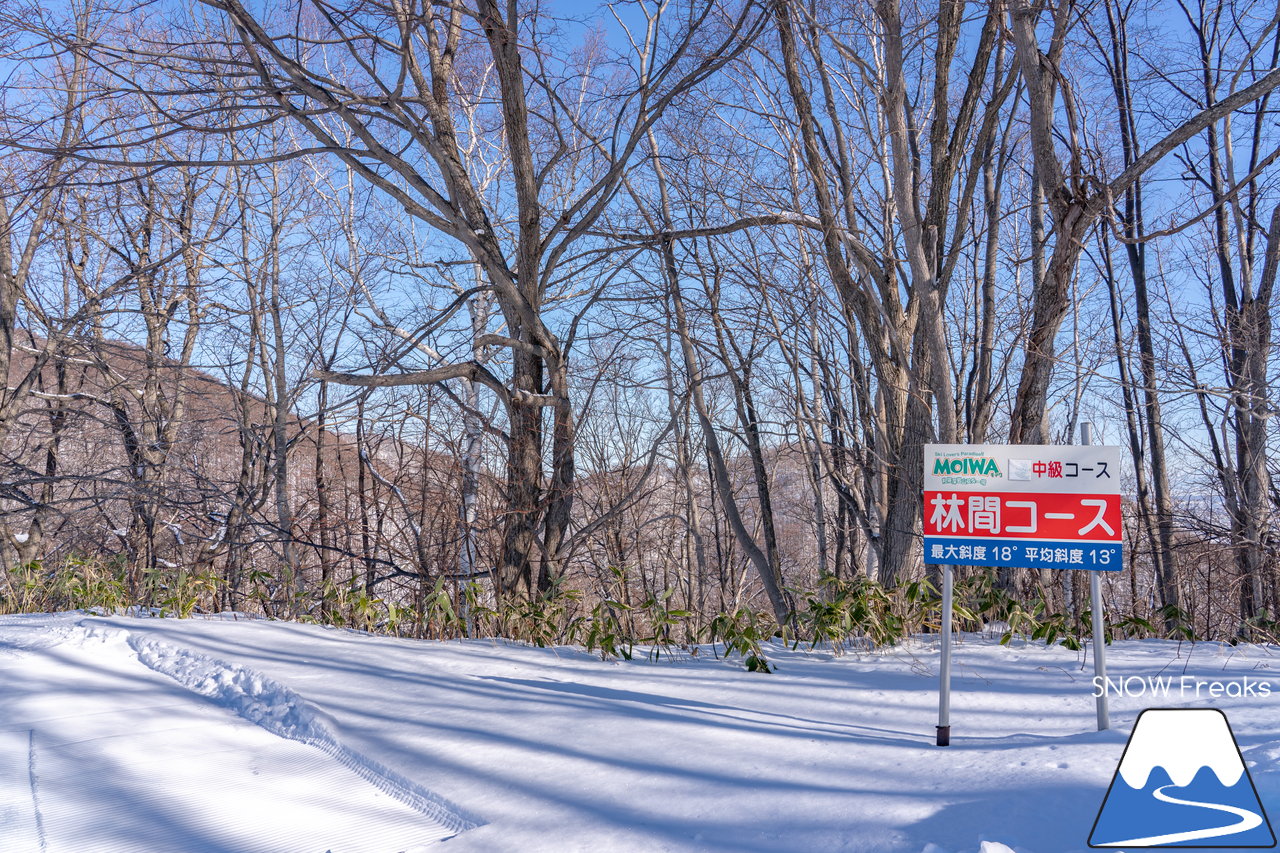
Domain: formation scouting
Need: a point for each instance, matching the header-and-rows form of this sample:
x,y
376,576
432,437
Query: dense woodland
x,y
628,322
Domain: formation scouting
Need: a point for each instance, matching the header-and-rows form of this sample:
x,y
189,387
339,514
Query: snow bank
x,y
276,708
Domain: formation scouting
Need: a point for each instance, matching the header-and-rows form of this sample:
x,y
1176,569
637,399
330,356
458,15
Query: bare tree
x,y
378,86
1078,195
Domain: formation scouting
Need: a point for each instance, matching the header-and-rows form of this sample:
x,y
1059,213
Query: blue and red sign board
x,y
1023,505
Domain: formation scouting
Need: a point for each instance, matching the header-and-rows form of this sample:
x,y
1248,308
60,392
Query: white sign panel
x,y
1026,505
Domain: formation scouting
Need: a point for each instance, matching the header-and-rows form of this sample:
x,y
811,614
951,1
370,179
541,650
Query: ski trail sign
x,y
1024,506
1032,506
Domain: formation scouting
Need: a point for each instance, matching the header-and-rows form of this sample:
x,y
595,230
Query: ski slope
x,y
234,734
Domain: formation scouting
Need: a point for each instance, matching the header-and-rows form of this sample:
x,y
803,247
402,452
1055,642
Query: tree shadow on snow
x,y
1044,819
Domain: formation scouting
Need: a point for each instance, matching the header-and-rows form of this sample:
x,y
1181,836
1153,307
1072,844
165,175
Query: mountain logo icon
x,y
1182,783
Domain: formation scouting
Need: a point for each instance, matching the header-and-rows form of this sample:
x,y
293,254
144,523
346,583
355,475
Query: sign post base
x,y
944,735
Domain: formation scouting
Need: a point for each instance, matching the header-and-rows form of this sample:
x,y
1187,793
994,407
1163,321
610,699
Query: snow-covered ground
x,y
121,734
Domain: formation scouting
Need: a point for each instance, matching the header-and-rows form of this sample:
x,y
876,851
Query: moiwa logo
x,y
1182,783
980,466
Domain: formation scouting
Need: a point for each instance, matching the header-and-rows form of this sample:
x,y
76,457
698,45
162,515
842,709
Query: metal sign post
x,y
1099,623
1021,506
944,670
1099,649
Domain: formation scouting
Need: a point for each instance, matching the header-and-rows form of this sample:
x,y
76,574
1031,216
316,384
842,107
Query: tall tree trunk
x,y
772,583
1165,556
1133,421
1252,409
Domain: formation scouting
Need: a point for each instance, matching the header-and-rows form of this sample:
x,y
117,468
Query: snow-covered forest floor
x,y
124,734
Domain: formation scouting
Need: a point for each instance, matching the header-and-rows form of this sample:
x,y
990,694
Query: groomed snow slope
x,y
247,735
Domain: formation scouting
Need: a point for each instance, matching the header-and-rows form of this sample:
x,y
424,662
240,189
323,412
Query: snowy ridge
x,y
33,780
19,803
279,710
